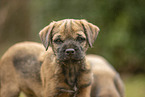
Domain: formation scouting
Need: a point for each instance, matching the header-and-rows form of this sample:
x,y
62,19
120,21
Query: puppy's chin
x,y
72,59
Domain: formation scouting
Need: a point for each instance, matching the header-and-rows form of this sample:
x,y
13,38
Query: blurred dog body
x,y
20,70
106,82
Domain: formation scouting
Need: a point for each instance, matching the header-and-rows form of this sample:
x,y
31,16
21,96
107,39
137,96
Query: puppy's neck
x,y
65,77
72,70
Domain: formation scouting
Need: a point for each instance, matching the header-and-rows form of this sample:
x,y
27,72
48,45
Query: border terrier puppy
x,y
61,70
65,72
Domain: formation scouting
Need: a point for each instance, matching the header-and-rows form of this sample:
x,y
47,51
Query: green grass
x,y
22,95
135,86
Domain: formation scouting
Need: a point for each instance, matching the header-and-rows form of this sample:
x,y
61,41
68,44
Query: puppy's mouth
x,y
70,58
70,55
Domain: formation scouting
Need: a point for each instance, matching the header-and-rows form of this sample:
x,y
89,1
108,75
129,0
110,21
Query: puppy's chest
x,y
71,74
73,79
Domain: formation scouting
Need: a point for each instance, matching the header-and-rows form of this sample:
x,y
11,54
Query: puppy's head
x,y
69,38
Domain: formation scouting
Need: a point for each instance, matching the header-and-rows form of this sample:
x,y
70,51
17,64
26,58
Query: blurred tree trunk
x,y
14,20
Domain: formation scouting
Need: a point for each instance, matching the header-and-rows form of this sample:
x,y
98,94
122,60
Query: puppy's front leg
x,y
85,92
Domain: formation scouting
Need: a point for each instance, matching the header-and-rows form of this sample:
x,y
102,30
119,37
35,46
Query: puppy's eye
x,y
58,41
81,39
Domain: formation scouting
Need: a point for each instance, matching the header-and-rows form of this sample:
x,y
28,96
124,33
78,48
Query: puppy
x,y
61,70
65,72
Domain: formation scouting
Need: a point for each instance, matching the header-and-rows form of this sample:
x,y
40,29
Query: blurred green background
x,y
121,39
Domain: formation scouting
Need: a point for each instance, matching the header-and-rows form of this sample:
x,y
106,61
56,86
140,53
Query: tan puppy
x,y
65,71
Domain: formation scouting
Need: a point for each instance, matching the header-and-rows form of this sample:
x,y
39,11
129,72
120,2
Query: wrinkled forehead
x,y
68,28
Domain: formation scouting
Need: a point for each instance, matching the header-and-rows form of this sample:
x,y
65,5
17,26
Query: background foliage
x,y
121,39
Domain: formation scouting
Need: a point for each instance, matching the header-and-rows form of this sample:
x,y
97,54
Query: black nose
x,y
70,51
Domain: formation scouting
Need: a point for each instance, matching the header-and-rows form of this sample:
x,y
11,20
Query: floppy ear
x,y
45,34
91,31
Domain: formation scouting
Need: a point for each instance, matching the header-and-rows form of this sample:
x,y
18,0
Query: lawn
x,y
135,86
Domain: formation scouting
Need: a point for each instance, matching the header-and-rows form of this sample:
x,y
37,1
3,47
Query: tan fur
x,y
106,80
12,82
52,78
20,65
